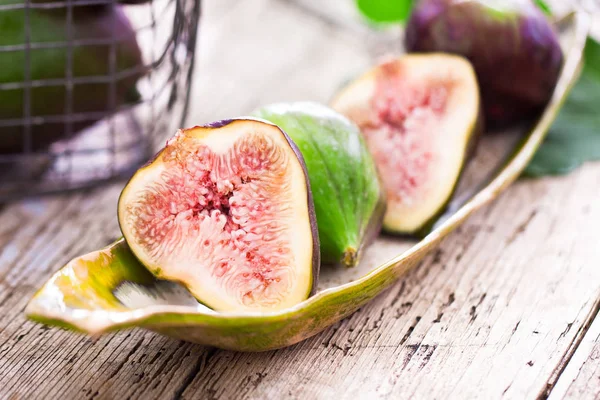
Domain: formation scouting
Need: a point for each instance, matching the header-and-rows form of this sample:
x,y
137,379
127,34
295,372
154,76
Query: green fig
x,y
48,70
349,200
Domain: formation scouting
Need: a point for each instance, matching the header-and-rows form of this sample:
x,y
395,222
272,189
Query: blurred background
x,y
90,89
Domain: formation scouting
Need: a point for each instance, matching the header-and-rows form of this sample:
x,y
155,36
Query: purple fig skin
x,y
133,2
97,7
512,46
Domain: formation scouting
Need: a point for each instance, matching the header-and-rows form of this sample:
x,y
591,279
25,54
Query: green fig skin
x,y
50,26
348,196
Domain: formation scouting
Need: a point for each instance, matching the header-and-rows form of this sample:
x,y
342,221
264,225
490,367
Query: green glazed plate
x,y
108,290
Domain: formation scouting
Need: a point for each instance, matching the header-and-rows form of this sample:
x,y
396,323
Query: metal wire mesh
x,y
89,88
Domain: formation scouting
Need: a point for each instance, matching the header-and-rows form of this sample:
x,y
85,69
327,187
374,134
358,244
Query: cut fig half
x,y
420,115
226,209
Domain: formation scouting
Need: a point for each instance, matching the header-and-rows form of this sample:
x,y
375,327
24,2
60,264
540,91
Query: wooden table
x,y
506,308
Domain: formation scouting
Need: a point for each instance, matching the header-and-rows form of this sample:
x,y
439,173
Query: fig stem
x,y
350,257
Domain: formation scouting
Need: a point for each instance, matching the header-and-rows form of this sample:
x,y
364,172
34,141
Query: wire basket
x,y
89,89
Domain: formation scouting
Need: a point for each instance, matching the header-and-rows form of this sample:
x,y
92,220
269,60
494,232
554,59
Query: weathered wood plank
x,y
490,315
493,313
37,236
581,377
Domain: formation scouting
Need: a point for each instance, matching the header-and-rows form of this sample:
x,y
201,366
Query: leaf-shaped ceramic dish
x,y
109,290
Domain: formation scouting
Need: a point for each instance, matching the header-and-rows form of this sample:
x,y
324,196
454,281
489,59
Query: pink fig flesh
x,y
226,210
419,115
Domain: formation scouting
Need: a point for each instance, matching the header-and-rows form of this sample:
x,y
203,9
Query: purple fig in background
x,y
91,7
512,45
88,60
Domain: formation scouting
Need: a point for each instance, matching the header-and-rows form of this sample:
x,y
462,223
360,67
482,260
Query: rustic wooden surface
x,y
580,379
505,308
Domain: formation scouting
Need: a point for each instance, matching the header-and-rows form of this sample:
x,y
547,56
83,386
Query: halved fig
x,y
419,115
349,198
226,209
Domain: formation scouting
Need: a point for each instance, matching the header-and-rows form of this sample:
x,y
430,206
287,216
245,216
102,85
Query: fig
x,y
90,7
512,45
226,209
87,60
420,115
348,196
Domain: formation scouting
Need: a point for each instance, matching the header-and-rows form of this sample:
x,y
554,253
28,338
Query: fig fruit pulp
x,y
349,198
420,115
227,210
513,47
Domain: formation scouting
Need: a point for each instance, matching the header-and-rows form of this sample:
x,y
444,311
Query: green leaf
x,y
543,6
394,11
385,11
575,136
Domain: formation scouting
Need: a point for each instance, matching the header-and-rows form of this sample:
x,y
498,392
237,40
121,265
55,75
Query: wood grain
x,y
490,315
581,376
497,312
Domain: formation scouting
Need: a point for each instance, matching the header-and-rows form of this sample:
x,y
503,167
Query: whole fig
x,y
89,7
45,65
348,196
512,45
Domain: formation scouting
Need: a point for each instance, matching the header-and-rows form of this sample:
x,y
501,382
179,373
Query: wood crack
x,y
568,355
189,378
521,228
410,330
126,359
163,365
